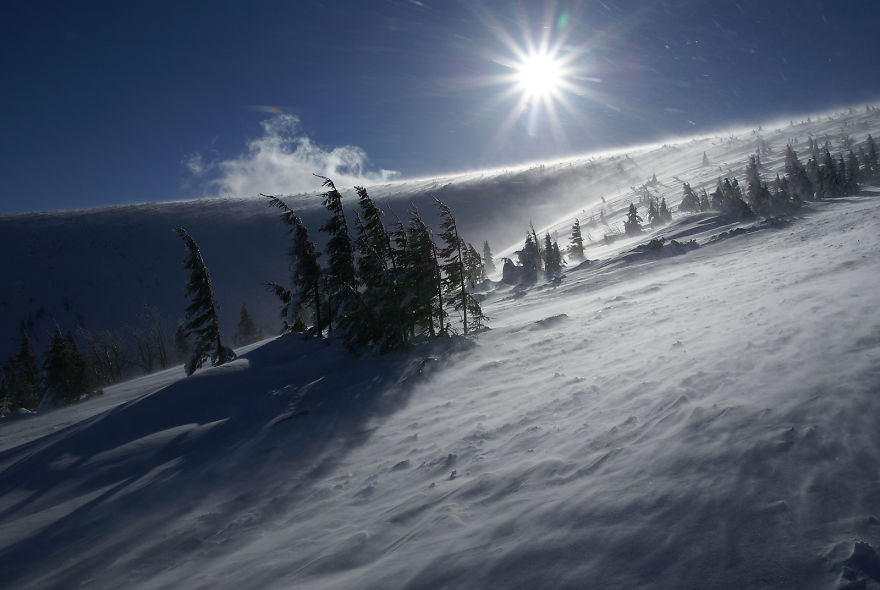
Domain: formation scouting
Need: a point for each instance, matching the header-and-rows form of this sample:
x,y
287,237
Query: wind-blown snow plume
x,y
283,160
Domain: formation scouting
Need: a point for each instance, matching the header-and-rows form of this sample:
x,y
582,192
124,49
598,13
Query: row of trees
x,y
824,176
381,288
78,364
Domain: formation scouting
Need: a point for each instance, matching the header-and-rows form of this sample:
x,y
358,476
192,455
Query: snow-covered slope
x,y
700,420
100,268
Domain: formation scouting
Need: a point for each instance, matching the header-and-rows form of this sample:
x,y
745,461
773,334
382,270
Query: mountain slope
x,y
100,268
701,420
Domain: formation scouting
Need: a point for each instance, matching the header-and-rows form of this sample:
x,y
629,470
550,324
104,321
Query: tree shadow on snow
x,y
247,437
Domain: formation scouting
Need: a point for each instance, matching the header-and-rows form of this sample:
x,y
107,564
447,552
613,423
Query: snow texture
x,y
702,420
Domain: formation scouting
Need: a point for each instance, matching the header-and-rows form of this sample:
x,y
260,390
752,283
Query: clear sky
x,y
119,102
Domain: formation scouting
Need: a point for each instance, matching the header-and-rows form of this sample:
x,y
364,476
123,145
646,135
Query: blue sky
x,y
118,102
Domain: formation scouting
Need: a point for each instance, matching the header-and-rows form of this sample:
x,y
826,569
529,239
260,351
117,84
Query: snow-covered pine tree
x,y
832,185
380,324
530,259
705,162
732,203
576,241
757,194
454,279
800,186
305,272
473,266
421,280
690,202
552,259
653,212
488,259
704,200
633,224
854,174
201,324
340,274
665,213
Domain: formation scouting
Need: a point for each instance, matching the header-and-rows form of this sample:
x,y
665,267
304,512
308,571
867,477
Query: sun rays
x,y
542,78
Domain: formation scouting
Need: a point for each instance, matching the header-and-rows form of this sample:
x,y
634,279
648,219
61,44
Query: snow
x,y
702,420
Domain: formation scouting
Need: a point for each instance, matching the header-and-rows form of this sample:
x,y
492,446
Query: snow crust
x,y
703,420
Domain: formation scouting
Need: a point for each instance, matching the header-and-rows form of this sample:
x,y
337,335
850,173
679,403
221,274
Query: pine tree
x,y
421,280
380,324
801,187
246,331
64,369
473,266
831,174
665,213
576,241
690,201
704,200
8,404
530,259
202,323
454,272
653,213
853,173
305,272
705,162
552,259
340,276
21,376
633,224
757,194
488,261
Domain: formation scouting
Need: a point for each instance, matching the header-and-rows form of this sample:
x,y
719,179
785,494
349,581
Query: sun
x,y
539,76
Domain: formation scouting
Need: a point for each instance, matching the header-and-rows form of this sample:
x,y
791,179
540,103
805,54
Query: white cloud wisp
x,y
284,160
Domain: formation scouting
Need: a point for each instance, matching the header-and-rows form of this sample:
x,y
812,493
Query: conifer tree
x,y
305,272
704,200
421,280
380,323
21,376
8,403
246,331
64,369
530,259
705,162
665,213
488,259
202,323
552,259
340,275
633,224
473,266
690,201
854,175
576,241
757,194
653,213
453,269
831,175
801,187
